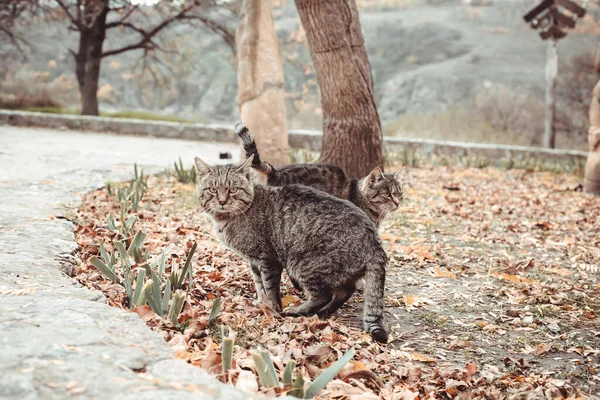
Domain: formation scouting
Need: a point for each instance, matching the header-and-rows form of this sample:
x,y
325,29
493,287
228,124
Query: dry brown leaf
x,y
145,312
443,273
71,384
79,390
422,357
212,362
471,368
318,353
290,299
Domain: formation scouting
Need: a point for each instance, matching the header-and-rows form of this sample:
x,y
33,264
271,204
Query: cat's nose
x,y
222,202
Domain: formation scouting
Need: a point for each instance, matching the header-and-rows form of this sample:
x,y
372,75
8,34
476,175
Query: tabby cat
x,y
376,194
326,244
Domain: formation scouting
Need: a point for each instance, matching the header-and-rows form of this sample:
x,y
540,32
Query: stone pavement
x,y
58,339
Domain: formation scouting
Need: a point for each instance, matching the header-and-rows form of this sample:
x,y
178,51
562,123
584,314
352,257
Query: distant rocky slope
x,y
426,59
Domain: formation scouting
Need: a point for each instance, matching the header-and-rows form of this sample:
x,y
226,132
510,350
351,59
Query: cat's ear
x,y
375,175
246,167
202,168
397,174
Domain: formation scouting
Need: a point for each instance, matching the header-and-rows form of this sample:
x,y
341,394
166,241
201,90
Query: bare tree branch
x,y
65,8
145,42
220,29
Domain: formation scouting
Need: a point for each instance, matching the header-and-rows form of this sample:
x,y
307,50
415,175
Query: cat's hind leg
x,y
339,298
314,303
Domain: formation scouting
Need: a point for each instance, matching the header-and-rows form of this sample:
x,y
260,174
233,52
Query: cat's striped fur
x,y
376,194
325,244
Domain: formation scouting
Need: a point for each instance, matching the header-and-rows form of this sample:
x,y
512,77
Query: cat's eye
x,y
233,190
212,190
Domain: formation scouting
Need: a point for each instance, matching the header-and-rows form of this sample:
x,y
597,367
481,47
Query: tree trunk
x,y
351,127
260,81
551,72
592,167
88,60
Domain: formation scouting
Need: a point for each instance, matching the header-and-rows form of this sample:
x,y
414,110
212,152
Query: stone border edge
x,y
299,139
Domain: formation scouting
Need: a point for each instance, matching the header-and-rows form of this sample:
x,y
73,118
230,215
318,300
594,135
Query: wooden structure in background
x,y
553,18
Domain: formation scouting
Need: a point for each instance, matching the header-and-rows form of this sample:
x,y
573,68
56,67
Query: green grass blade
x,y
137,242
110,221
100,266
288,374
156,296
156,307
139,287
127,283
227,350
176,306
216,309
266,379
270,367
326,376
151,274
298,388
122,252
187,266
167,297
143,299
104,254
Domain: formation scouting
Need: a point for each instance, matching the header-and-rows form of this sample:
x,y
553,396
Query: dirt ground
x,y
493,291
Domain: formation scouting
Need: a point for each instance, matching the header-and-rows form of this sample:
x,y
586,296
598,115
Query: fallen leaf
x,y
318,353
71,384
290,299
212,363
471,368
443,273
423,358
145,312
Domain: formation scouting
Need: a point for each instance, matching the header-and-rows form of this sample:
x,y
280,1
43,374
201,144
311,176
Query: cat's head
x,y
383,191
225,190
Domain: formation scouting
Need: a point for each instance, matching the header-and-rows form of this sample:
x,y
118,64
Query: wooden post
x,y
591,181
260,81
551,72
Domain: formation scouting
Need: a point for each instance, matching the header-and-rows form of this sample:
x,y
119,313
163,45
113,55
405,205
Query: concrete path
x,y
58,339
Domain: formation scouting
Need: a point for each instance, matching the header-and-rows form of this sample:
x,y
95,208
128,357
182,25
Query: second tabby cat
x,y
325,244
376,194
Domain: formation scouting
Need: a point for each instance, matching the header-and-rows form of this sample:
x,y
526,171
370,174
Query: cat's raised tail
x,y
250,148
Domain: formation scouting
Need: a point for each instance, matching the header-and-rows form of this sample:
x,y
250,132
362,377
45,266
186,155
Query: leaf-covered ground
x,y
493,291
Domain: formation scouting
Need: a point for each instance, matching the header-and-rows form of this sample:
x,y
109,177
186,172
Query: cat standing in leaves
x,y
376,194
326,244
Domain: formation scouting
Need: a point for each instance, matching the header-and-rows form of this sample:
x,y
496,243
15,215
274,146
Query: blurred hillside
x,y
442,69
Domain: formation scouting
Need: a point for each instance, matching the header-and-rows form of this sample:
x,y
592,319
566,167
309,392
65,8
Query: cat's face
x,y
383,191
224,189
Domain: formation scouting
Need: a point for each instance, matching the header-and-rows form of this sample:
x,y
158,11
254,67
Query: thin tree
x,y
11,12
260,81
352,137
92,19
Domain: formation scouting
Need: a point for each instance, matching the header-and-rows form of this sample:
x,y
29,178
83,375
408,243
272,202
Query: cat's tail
x,y
374,299
250,148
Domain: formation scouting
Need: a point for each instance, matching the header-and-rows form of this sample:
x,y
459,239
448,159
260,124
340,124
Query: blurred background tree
x,y
93,18
352,138
442,69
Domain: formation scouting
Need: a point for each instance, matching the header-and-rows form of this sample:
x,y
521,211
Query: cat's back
x,y
327,178
316,206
